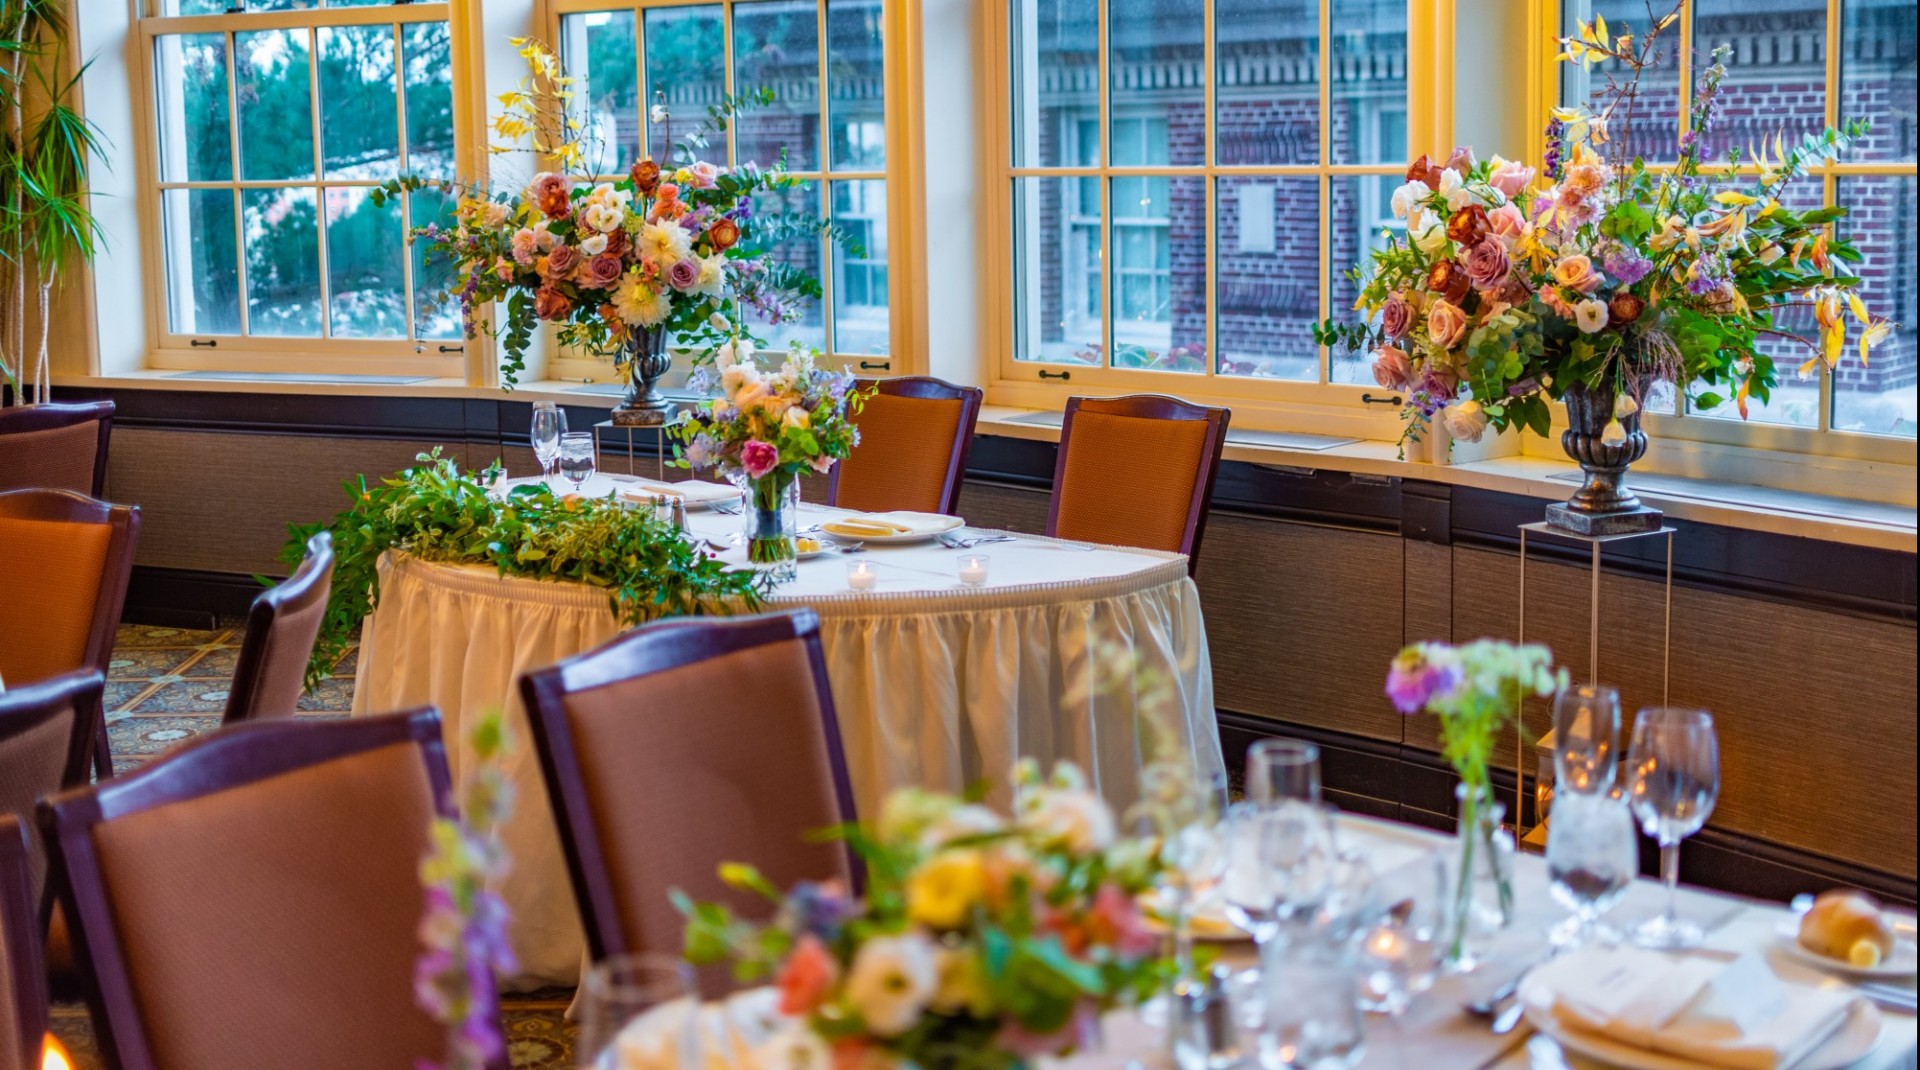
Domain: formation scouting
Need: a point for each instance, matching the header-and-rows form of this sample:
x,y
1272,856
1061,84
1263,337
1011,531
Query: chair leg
x,y
102,747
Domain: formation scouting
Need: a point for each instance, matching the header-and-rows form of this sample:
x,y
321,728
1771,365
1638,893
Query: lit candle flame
x,y
54,1055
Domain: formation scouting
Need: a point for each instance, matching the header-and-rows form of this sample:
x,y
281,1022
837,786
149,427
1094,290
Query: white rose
x,y
593,245
1466,419
1077,820
892,980
960,822
797,418
1408,196
793,1048
496,213
1430,239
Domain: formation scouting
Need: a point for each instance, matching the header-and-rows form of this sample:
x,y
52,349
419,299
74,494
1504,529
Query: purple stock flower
x,y
1626,265
1414,681
819,909
1556,135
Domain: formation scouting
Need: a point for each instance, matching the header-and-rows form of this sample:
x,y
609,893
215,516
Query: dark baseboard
x,y
187,598
1385,779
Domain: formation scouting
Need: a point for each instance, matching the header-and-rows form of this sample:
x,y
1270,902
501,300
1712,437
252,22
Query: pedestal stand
x,y
659,432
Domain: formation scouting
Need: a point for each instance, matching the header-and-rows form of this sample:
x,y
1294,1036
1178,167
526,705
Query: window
x,y
835,140
1189,180
1795,70
271,124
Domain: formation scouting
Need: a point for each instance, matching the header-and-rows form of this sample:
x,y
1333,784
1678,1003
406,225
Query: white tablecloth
x,y
936,684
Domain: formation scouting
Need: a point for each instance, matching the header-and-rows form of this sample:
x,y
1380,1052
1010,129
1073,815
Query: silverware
x,y
1489,1005
1889,997
850,547
729,510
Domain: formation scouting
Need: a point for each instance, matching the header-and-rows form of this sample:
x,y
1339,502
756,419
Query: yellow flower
x,y
945,888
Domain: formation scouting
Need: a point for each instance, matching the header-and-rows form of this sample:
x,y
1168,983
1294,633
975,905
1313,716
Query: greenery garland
x,y
435,513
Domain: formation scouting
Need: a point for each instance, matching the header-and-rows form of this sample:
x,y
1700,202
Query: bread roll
x,y
1848,926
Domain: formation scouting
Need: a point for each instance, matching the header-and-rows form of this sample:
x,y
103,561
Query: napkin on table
x,y
694,491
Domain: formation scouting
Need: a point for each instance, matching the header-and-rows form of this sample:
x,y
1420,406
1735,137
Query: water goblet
x,y
1280,769
1398,952
549,423
618,990
1586,737
1673,780
1592,858
576,458
1312,1018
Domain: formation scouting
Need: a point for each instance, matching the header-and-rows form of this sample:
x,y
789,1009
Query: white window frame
x,y
906,356
430,358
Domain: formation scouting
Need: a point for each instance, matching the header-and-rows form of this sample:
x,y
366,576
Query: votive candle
x,y
973,570
861,576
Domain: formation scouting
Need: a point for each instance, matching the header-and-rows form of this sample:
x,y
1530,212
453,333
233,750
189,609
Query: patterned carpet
x,y
167,685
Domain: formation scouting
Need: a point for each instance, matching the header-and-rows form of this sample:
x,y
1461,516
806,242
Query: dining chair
x,y
64,563
23,982
914,437
678,746
271,673
1137,471
253,898
46,739
56,447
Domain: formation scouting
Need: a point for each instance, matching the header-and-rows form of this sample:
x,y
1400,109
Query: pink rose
x,y
758,458
684,274
1488,266
1511,177
1438,381
1461,160
1507,224
1397,317
553,193
562,261
703,174
1392,369
1576,272
602,271
808,976
1446,324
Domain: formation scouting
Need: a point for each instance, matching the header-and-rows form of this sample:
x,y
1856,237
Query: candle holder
x,y
861,576
973,570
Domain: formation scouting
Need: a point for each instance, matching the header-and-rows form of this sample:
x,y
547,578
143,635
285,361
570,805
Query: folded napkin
x,y
694,491
1737,1014
686,1034
869,525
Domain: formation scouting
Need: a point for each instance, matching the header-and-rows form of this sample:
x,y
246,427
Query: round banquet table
x,y
936,684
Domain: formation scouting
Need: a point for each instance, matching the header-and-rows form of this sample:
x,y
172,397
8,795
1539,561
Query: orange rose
x,y
724,233
618,243
1468,225
554,194
1449,280
646,177
1446,324
551,304
1576,272
1423,170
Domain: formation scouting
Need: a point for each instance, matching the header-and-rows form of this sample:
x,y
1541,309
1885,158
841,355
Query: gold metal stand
x,y
658,431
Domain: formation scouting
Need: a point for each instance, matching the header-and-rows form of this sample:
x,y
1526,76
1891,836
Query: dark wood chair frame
x,y
652,648
1153,407
67,507
929,388
23,709
229,758
24,418
25,957
308,584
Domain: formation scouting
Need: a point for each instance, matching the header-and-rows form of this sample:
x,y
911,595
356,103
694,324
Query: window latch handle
x,y
875,365
1044,374
207,342
453,349
1391,399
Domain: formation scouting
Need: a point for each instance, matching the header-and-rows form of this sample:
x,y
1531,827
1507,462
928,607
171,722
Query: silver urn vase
x,y
645,359
1603,505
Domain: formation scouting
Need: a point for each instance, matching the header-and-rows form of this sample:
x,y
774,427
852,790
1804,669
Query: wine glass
x,y
549,423
1182,809
1279,769
1592,858
1398,954
618,990
1247,887
1586,736
576,457
1313,1019
1673,780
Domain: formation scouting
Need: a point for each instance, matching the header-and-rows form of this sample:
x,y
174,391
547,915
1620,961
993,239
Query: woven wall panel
x,y
988,505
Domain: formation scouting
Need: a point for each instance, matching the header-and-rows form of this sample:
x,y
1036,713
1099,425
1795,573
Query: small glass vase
x,y
1479,879
773,508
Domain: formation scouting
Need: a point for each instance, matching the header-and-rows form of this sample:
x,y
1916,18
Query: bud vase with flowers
x,y
1593,277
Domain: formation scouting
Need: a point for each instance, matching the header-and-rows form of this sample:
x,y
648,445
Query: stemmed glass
x,y
1182,810
1673,781
1312,1015
1586,736
1280,769
618,990
549,423
1592,858
576,457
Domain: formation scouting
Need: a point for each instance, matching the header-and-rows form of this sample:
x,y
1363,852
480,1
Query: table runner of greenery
x,y
436,513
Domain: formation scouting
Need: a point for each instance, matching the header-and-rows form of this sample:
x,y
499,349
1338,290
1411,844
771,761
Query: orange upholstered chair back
x,y
270,675
23,980
914,435
682,745
1136,471
55,447
46,735
253,899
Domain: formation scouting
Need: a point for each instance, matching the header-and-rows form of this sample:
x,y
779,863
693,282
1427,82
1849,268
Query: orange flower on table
x,y
807,977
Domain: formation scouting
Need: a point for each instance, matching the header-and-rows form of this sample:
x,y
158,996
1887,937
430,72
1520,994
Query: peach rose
x,y
551,304
1576,272
1392,369
560,263
1511,177
1507,224
1446,324
724,233
1396,318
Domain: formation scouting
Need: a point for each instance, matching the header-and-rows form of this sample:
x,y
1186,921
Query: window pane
x,y
366,267
1368,98
1267,277
276,104
1160,275
203,272
359,102
1361,211
193,7
686,56
427,54
776,44
1157,50
283,263
1267,100
860,279
436,305
1877,47
1776,75
1056,77
803,253
856,86
1795,401
190,91
1056,262
1880,398
598,46
1655,132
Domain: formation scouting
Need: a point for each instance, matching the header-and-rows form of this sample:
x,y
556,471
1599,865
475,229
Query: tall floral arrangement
x,y
1512,284
984,939
674,248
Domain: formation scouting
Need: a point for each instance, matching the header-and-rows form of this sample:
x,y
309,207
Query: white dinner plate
x,y
949,523
1898,965
1856,1037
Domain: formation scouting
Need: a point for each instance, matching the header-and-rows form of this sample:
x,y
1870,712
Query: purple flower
x,y
1702,281
1626,265
820,909
1556,132
684,274
1414,681
702,451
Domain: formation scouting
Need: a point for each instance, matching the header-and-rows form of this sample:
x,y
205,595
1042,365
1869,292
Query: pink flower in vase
x,y
758,458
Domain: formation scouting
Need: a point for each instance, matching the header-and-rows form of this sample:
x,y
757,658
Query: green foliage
x,y
436,513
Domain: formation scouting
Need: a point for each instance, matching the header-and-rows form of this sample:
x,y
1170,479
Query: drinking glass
x,y
622,988
1182,811
1586,737
1279,769
576,457
1248,887
549,423
1313,1019
1397,955
1673,780
1592,857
